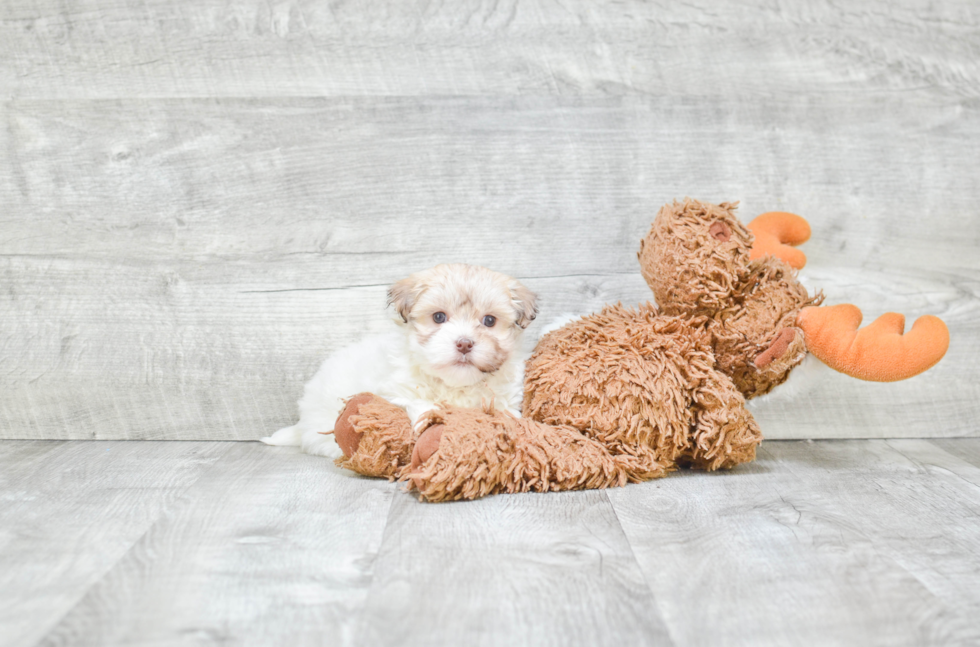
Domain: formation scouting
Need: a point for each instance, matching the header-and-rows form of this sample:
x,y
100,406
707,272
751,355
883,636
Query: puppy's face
x,y
463,321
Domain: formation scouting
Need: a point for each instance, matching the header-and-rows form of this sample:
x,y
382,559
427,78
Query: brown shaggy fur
x,y
386,439
485,452
637,380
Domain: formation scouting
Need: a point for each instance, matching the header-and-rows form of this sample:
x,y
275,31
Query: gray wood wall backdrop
x,y
200,199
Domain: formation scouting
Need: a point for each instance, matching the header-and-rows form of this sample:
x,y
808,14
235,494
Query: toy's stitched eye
x,y
489,321
439,317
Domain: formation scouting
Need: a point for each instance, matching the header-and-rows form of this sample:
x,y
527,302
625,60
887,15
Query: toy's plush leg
x,y
470,453
725,434
375,436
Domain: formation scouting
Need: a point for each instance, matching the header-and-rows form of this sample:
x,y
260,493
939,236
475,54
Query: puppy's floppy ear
x,y
524,301
404,294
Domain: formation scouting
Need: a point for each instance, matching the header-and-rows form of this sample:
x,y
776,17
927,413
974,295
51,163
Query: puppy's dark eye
x,y
489,321
439,317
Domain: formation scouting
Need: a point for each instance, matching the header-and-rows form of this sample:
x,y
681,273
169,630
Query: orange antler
x,y
775,232
879,352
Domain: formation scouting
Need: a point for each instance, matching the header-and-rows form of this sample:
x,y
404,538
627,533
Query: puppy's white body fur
x,y
419,365
381,365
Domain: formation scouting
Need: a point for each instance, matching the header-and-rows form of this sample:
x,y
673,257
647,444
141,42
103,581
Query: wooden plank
x,y
71,511
154,48
967,449
132,225
210,363
816,542
536,186
552,569
269,547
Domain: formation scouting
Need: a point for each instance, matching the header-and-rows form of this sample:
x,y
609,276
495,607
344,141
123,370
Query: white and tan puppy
x,y
456,342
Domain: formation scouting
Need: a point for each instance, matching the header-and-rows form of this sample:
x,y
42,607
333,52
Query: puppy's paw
x,y
512,411
417,410
318,444
422,423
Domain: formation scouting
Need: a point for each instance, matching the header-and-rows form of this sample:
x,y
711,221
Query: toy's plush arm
x,y
879,352
775,234
470,453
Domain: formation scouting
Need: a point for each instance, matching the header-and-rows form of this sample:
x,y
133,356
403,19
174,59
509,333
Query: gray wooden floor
x,y
851,542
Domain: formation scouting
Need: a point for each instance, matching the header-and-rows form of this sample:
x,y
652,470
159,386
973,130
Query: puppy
x,y
457,342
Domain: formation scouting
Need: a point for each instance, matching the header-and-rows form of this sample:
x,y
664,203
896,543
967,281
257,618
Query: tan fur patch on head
x,y
402,295
425,337
496,355
525,303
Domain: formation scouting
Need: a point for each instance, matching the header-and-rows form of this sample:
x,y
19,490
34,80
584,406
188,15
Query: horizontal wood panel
x,y
757,49
204,357
182,295
532,186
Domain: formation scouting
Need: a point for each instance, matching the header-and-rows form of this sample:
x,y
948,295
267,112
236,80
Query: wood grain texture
x,y
201,200
551,569
856,542
967,449
370,47
207,543
71,511
269,547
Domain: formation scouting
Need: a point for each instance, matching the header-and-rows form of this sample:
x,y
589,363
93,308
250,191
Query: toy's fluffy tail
x,y
285,436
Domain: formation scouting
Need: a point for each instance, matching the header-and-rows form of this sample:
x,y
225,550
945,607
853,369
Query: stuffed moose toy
x,y
630,394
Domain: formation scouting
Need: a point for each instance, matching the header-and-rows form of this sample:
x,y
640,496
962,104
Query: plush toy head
x,y
700,263
696,257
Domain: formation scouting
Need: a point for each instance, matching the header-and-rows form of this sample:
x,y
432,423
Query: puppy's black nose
x,y
464,345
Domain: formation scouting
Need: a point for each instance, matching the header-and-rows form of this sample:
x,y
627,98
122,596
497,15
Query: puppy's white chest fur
x,y
403,381
382,364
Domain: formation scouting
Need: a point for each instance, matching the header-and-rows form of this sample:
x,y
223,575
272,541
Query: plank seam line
x,y
643,575
384,285
952,457
359,621
53,626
